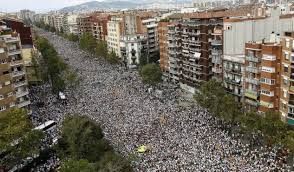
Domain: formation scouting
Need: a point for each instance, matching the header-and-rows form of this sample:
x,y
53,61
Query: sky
x,y
37,5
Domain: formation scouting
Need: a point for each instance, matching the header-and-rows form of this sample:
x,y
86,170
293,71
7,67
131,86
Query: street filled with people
x,y
178,134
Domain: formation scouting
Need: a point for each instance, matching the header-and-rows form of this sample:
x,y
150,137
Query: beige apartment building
x,y
13,82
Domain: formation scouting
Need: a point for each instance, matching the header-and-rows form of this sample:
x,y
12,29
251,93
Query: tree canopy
x,y
151,74
82,144
17,138
88,42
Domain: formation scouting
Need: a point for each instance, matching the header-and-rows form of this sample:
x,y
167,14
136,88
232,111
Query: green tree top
x,y
88,42
151,74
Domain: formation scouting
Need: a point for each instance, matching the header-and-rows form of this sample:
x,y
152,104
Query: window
x,y
268,57
2,108
250,53
7,83
9,94
287,43
267,81
285,81
286,55
285,69
268,69
12,104
285,93
267,93
1,97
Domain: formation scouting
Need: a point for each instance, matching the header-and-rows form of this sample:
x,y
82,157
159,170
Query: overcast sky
x,y
37,5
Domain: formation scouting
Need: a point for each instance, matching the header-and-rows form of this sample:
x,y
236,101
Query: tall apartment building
x,y
84,24
262,76
23,30
151,25
114,30
287,78
192,44
163,47
99,26
71,24
253,28
13,82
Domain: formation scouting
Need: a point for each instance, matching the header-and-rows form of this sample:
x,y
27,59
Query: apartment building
x,y
99,26
163,47
71,24
58,20
13,82
256,27
114,30
84,24
133,47
287,78
192,43
262,76
23,30
151,30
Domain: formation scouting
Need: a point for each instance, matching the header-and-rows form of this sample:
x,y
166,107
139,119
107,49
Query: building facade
x,y
13,83
133,47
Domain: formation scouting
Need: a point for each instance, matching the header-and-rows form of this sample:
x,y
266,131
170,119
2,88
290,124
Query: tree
x,y
88,42
211,96
101,49
112,58
112,162
151,74
71,78
17,138
72,37
82,139
273,128
81,165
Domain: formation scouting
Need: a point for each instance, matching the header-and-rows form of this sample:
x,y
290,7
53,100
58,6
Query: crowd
x,y
179,137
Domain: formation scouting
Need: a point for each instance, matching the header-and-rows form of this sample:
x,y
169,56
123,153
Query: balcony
x,y
251,69
253,59
252,81
232,81
20,83
216,42
292,89
251,94
216,52
24,104
252,103
11,40
16,63
14,52
21,93
19,73
171,32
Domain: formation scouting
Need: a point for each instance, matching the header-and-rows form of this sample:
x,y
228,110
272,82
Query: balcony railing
x,y
16,63
20,73
251,102
14,52
252,59
21,93
216,42
24,104
251,94
19,84
251,69
232,81
252,81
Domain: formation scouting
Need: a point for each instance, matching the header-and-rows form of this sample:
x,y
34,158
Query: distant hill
x,y
95,5
118,4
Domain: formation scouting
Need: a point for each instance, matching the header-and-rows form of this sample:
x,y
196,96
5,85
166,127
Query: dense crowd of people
x,y
179,136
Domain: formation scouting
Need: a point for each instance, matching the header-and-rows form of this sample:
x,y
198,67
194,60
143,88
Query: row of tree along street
x,y
259,129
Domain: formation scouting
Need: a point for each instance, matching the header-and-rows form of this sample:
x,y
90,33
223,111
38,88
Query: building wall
x,y
24,31
162,34
13,81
